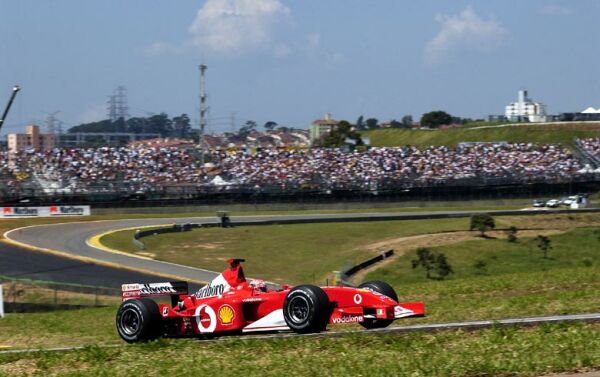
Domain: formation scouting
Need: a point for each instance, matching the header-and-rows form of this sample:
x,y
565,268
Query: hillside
x,y
555,133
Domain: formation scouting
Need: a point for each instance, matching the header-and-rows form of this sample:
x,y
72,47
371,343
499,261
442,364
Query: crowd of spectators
x,y
375,166
144,167
591,146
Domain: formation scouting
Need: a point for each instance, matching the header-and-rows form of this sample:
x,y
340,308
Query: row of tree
x,y
179,126
432,119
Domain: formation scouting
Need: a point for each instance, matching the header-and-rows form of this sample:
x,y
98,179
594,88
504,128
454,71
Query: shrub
x,y
436,265
482,222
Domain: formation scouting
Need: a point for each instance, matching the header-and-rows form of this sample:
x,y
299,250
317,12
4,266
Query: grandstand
x,y
170,172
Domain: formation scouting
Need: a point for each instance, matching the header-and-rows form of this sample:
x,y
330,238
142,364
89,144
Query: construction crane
x,y
16,89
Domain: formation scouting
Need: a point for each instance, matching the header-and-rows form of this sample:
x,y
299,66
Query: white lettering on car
x,y
348,319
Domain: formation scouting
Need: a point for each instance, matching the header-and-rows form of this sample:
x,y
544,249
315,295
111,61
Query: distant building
x,y
497,118
31,139
320,127
525,110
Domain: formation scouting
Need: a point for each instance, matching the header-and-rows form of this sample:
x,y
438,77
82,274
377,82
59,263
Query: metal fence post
x,y
14,292
1,302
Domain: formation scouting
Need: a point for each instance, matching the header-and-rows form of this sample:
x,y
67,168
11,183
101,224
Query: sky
x,y
294,61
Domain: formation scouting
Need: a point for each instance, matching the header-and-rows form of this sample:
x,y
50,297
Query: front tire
x,y
139,320
307,309
385,289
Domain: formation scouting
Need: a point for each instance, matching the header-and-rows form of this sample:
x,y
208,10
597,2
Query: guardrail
x,y
368,263
175,228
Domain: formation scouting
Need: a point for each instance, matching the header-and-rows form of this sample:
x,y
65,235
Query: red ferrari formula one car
x,y
230,304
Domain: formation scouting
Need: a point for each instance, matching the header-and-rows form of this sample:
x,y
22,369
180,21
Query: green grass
x,y
563,134
304,253
517,280
573,249
497,351
59,328
281,253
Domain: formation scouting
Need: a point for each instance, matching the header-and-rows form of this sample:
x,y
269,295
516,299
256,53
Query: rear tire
x,y
139,320
385,289
307,309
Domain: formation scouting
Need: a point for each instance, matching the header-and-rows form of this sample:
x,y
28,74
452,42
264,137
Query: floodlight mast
x,y
203,109
16,89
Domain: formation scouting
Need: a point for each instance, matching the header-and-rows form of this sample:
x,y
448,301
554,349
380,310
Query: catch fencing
x,y
25,295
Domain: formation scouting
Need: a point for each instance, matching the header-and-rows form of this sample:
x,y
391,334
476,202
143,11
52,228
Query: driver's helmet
x,y
258,285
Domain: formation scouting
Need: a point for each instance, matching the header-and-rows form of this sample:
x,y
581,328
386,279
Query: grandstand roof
x,y
591,110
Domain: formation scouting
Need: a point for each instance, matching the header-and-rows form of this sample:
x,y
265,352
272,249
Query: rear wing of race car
x,y
138,290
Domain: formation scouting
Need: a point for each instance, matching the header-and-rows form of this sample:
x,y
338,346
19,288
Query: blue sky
x,y
294,61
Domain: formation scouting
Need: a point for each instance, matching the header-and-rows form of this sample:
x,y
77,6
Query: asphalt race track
x,y
68,257
26,264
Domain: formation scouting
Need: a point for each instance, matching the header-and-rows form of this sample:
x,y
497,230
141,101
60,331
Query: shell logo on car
x,y
226,314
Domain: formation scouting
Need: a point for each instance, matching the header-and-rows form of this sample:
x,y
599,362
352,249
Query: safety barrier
x,y
175,228
368,263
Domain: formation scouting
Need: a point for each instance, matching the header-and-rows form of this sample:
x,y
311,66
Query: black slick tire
x,y
385,289
139,320
307,309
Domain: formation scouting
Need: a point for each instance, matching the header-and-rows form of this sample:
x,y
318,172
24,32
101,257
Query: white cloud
x,y
555,10
229,26
465,31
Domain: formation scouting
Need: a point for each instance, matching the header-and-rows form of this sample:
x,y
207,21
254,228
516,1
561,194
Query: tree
x,y
407,121
159,123
338,136
181,126
372,123
434,119
436,266
482,222
544,244
511,234
270,125
247,128
395,124
360,123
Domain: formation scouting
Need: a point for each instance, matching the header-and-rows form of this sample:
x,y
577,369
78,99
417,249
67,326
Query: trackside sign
x,y
50,211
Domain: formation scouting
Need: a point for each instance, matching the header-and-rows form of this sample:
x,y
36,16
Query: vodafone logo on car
x,y
206,319
348,319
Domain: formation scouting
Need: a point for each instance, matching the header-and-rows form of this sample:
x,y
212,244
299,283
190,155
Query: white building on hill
x,y
525,110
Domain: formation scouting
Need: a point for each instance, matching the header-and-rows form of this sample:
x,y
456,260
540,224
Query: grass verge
x,y
555,134
302,253
497,351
